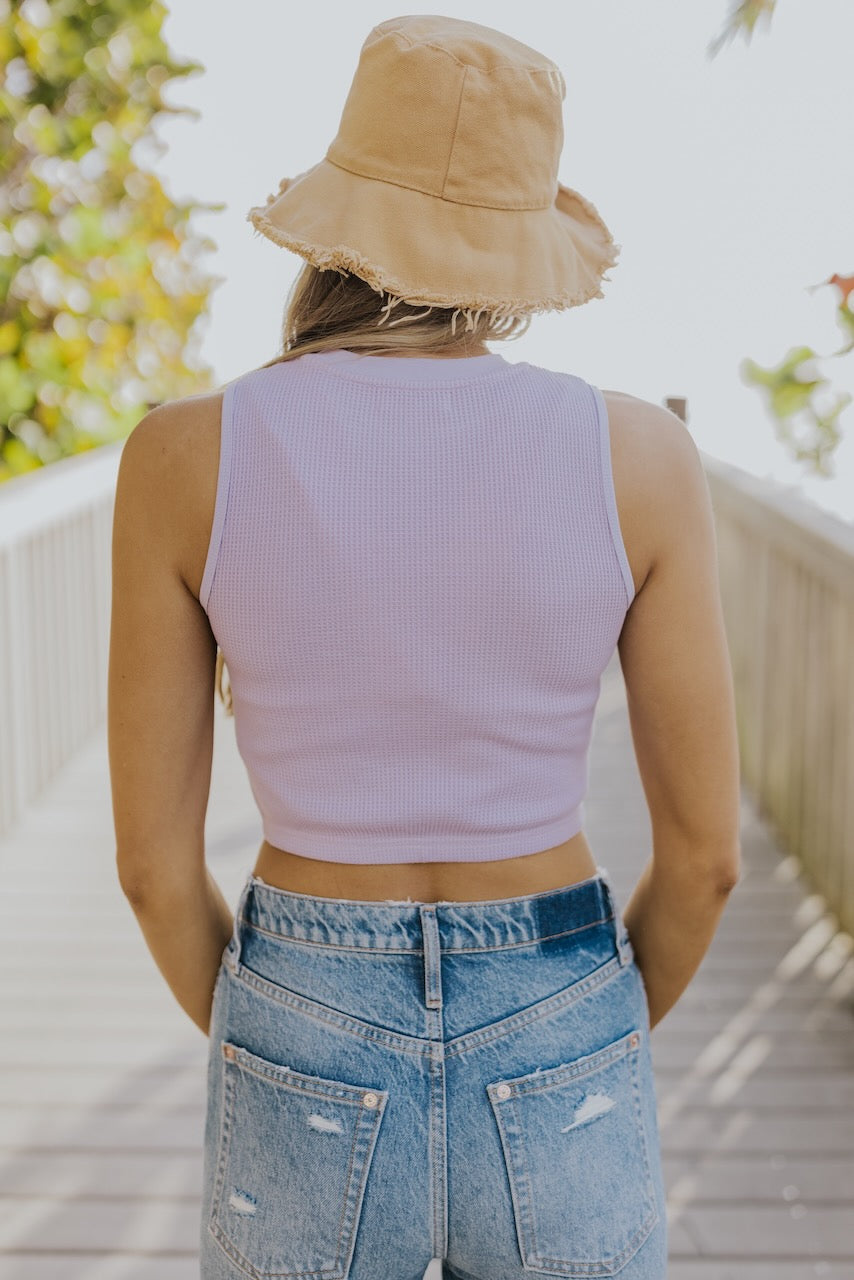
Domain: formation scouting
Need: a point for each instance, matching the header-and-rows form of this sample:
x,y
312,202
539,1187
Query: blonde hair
x,y
331,310
328,310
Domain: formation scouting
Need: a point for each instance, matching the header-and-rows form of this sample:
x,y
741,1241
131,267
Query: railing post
x,y
677,405
55,588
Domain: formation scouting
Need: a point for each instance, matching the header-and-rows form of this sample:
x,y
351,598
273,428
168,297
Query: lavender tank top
x,y
416,576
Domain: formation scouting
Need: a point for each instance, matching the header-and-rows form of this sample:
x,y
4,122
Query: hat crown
x,y
455,110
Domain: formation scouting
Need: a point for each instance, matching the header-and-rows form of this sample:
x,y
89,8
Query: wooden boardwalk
x,y
102,1075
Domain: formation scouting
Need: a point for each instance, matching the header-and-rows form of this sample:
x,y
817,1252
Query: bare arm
x,y
676,667
160,715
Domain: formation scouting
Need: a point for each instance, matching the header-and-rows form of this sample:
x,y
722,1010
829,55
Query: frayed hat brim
x,y
429,251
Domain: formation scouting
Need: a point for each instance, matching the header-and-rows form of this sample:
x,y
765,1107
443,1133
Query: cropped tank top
x,y
416,577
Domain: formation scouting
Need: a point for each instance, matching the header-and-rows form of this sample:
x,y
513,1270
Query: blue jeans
x,y
393,1082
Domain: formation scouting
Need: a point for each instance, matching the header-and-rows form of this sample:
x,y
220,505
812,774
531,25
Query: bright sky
x,y
728,183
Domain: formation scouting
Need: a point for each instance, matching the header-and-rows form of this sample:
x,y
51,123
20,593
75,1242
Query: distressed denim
x,y
391,1082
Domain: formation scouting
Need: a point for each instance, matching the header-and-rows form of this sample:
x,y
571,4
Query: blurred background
x,y
715,140
718,151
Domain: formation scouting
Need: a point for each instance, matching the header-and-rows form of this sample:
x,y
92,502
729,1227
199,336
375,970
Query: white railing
x,y
55,536
787,585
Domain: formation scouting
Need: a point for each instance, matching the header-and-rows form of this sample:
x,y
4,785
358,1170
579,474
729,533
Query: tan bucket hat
x,y
441,187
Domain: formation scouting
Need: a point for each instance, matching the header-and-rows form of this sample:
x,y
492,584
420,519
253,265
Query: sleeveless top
x,y
416,577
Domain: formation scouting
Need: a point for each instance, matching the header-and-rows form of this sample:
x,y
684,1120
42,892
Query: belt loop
x,y
625,950
432,958
232,951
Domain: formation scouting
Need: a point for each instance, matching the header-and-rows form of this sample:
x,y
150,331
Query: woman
x,y
429,1021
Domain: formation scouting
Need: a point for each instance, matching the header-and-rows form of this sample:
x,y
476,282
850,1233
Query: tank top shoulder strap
x,y
223,485
607,475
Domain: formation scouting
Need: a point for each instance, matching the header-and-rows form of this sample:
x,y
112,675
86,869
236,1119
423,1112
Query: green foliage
x,y
100,275
743,18
809,433
790,388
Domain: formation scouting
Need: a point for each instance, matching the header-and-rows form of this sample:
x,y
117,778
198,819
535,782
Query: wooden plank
x,y
100,1085
741,1268
105,1174
794,691
844,755
86,1265
135,1127
63,1226
781,1057
777,1178
812,775
772,777
803,1232
755,1132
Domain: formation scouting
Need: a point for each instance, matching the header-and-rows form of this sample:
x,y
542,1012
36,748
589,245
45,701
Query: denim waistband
x,y
400,926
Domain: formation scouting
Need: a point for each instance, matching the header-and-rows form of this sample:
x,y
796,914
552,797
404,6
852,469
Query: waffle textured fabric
x,y
416,577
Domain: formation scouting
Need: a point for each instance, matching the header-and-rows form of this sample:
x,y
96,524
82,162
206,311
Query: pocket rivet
x,y
228,1051
634,1041
370,1100
503,1091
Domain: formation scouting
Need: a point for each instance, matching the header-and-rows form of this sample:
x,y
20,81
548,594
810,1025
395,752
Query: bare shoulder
x,y
645,429
178,424
657,469
173,455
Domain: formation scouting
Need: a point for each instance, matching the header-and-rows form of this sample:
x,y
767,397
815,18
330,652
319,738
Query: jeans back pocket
x,y
577,1160
292,1164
